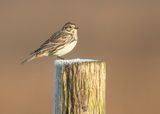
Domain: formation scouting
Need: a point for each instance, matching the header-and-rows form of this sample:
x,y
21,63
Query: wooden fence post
x,y
79,86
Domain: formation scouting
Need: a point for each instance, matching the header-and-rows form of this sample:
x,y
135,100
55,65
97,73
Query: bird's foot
x,y
60,57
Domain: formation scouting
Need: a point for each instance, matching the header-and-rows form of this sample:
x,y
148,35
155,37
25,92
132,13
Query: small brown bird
x,y
59,44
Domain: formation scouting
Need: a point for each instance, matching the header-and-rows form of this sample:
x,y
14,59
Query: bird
x,y
59,44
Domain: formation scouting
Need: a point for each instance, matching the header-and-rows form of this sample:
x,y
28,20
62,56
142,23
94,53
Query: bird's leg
x,y
60,57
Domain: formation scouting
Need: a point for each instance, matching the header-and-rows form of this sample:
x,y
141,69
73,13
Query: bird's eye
x,y
67,27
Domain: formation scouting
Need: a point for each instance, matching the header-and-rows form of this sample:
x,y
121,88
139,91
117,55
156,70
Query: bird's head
x,y
69,27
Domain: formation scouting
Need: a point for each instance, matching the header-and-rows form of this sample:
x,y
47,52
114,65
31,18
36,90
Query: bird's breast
x,y
66,49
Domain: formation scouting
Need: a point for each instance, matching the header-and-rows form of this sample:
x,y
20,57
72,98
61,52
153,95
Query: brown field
x,y
124,34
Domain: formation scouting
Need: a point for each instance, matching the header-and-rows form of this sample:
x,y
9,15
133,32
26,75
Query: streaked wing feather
x,y
55,41
54,36
47,42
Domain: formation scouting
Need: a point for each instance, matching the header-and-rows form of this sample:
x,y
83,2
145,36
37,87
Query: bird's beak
x,y
77,28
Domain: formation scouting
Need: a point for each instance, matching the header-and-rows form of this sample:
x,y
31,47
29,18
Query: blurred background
x,y
125,34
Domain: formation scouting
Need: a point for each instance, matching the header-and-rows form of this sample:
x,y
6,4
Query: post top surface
x,y
73,61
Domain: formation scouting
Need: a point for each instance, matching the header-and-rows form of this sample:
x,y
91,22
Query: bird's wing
x,y
56,40
54,36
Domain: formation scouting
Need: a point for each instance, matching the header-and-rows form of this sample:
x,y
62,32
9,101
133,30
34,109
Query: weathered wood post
x,y
79,87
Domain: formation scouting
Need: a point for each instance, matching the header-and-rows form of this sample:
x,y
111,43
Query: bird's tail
x,y
31,57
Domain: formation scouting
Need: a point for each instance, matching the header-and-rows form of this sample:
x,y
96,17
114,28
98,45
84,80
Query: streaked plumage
x,y
59,44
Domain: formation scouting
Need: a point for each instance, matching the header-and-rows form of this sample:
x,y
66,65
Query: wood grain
x,y
80,87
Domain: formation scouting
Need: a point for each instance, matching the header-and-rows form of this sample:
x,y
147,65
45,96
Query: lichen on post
x,y
79,87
